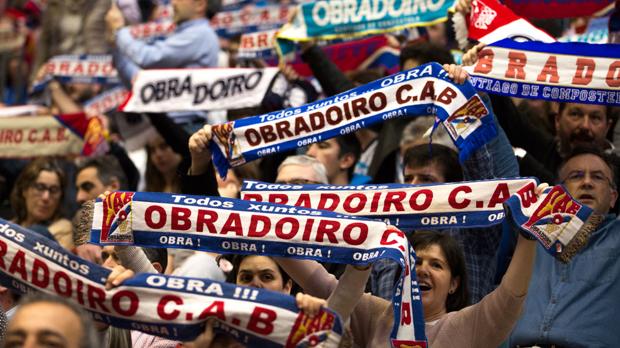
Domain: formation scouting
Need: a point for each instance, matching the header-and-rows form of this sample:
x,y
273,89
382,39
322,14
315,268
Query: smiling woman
x,y
36,198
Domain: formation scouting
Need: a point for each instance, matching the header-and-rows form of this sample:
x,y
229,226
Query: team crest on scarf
x,y
552,215
117,217
468,114
310,331
482,15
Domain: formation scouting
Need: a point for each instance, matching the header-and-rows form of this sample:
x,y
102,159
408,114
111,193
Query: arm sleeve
x,y
495,159
175,51
135,259
332,80
127,69
489,322
348,292
310,275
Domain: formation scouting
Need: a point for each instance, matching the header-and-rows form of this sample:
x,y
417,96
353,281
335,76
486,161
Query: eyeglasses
x,y
596,177
41,188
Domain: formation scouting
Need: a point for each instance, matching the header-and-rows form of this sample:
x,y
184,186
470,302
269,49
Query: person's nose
x,y
586,122
421,269
46,195
81,197
256,283
312,151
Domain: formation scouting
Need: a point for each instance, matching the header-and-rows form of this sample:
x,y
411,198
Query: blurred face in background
x,y
162,156
42,197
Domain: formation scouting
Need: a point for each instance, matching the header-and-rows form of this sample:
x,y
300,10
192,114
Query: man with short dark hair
x,y
97,175
575,304
93,177
339,156
50,321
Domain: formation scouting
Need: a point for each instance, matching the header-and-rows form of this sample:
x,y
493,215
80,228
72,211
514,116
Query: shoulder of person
x,y
61,224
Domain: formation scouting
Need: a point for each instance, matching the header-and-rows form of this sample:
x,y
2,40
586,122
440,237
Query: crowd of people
x,y
480,286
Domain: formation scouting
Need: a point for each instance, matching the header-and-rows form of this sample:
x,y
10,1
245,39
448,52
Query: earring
x,y
451,292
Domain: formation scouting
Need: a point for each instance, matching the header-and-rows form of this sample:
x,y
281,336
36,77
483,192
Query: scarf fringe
x,y
581,238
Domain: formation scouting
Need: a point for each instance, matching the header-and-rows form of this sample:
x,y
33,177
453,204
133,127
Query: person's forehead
x,y
589,108
47,177
296,171
88,173
585,162
430,168
432,251
45,316
257,263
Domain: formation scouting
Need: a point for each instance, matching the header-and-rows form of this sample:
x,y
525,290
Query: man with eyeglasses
x,y
575,304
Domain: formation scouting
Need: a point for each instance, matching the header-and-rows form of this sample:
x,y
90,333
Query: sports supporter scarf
x,y
425,90
338,18
559,222
490,21
250,19
408,207
260,44
172,307
234,226
106,101
557,8
198,89
150,30
20,110
562,72
367,53
12,34
596,32
33,136
73,68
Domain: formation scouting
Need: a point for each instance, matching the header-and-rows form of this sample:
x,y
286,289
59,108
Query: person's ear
x,y
114,185
288,286
158,267
613,198
347,160
454,285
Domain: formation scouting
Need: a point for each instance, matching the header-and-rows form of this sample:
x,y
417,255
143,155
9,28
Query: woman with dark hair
x,y
436,253
162,163
440,271
36,198
259,272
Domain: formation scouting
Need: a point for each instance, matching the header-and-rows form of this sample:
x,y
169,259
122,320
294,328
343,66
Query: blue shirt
x,y
575,304
192,45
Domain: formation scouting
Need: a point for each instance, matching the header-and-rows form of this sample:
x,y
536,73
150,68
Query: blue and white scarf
x,y
235,226
167,306
425,90
562,72
82,69
408,207
326,20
